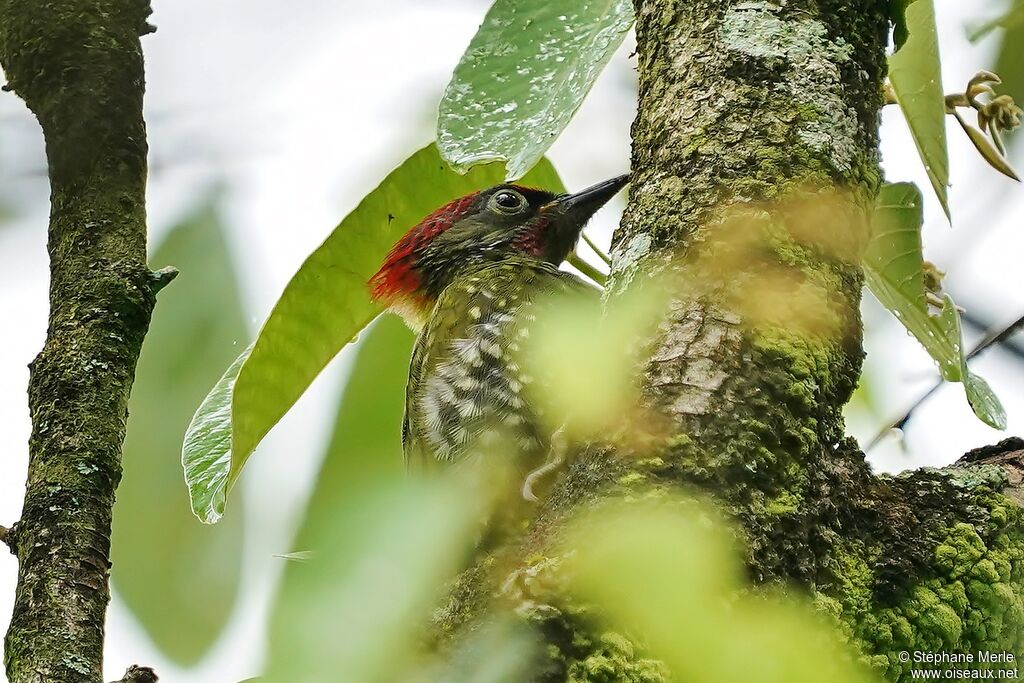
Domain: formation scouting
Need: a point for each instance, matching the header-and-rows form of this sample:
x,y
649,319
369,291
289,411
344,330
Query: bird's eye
x,y
507,201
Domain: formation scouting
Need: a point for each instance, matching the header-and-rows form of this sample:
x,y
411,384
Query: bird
x,y
465,279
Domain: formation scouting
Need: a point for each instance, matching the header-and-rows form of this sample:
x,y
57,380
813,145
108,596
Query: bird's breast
x,y
474,393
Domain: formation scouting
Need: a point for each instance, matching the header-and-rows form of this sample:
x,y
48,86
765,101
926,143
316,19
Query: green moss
x,y
967,546
784,503
650,463
990,477
969,599
852,576
612,658
631,478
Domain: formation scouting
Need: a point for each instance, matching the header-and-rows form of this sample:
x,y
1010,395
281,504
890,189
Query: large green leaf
x,y
915,73
503,650
363,462
322,309
366,446
524,75
666,569
355,611
894,271
179,577
364,455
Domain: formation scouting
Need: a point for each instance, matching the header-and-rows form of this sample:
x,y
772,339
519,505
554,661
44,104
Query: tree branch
x,y
78,66
1012,346
755,168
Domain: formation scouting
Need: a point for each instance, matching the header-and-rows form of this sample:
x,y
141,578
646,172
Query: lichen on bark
x,y
755,166
78,66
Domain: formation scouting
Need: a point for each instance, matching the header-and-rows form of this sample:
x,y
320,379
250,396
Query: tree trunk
x,y
755,166
78,66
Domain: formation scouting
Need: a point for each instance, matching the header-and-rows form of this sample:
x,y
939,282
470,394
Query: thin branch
x,y
590,271
994,337
597,250
1010,345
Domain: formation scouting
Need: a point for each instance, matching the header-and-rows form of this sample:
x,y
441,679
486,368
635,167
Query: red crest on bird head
x,y
398,276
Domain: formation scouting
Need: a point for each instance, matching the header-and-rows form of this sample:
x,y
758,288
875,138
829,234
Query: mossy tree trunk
x,y
78,66
755,166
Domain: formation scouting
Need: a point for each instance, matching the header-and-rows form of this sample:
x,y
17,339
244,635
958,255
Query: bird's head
x,y
483,227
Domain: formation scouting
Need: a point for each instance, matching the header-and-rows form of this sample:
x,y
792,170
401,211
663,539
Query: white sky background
x,y
299,108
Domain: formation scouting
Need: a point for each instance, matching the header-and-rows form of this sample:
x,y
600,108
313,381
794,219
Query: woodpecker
x,y
464,279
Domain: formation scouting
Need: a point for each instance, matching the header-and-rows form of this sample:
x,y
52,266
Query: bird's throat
x,y
412,307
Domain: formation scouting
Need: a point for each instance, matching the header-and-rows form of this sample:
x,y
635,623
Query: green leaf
x,y
368,423
357,609
178,577
322,309
206,451
362,471
1012,18
665,569
983,401
915,73
523,76
503,650
894,271
1009,64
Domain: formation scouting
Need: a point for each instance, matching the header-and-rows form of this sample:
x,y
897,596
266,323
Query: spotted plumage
x,y
466,278
467,387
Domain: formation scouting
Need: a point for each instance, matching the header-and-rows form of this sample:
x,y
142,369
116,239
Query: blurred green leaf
x,y
356,611
366,447
1012,18
523,76
179,577
983,401
665,570
894,272
588,353
321,310
378,547
364,459
503,651
1009,65
915,73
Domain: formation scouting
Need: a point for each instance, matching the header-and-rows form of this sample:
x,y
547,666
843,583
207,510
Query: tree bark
x,y
755,167
78,66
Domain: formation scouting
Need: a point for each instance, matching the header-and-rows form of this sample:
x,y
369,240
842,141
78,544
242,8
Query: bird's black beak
x,y
570,212
585,203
